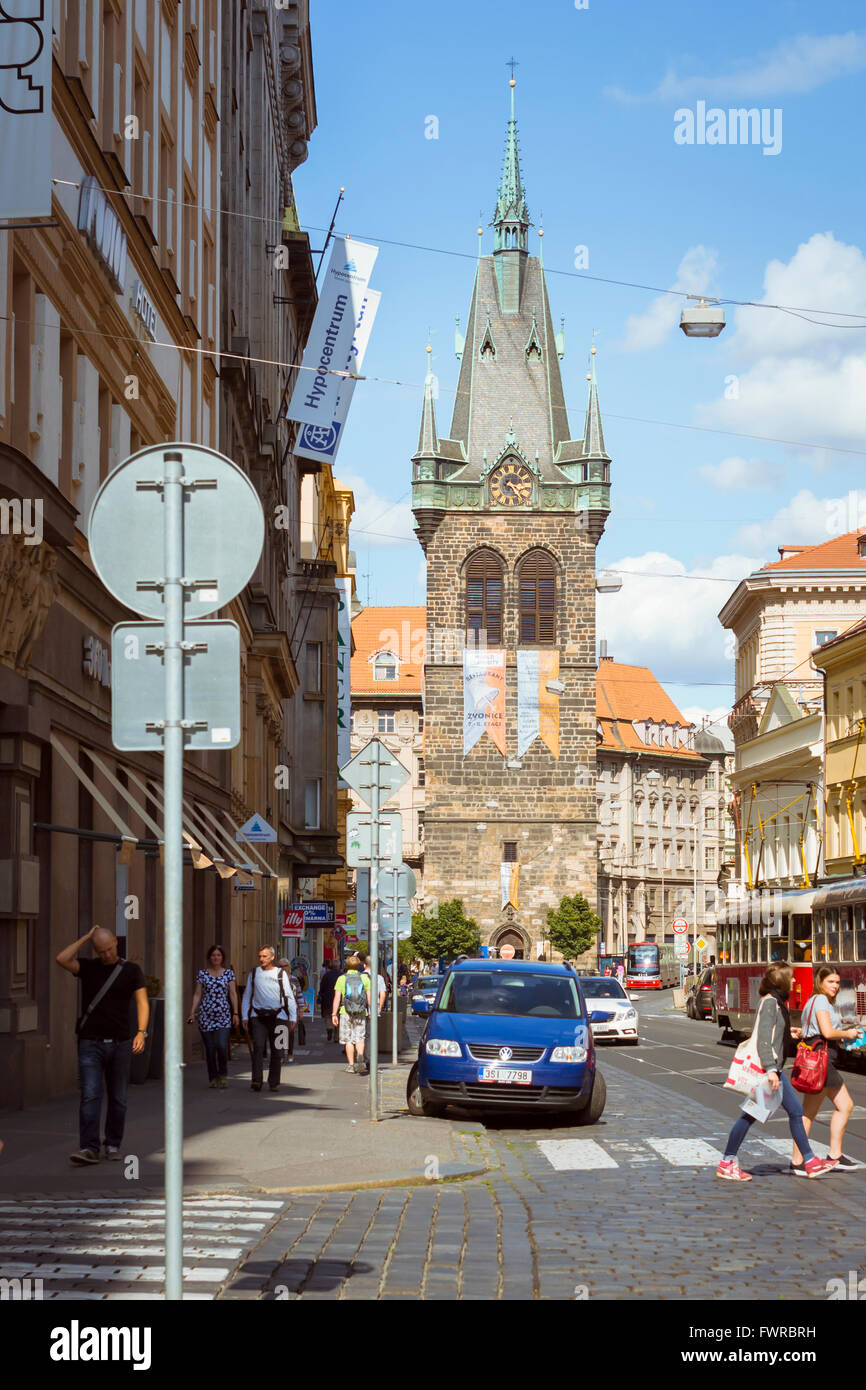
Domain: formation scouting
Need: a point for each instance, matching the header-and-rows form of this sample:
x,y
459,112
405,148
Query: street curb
x,y
460,1176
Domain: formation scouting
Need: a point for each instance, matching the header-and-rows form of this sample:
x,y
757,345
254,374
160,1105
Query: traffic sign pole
x,y
374,943
394,975
173,769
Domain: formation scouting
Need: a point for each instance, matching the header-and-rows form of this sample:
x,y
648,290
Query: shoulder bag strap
x,y
106,986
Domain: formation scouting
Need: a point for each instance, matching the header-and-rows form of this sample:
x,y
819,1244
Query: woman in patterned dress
x,y
215,1003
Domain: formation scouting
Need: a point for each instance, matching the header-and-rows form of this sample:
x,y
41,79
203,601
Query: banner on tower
x,y
537,707
509,874
317,389
483,697
322,441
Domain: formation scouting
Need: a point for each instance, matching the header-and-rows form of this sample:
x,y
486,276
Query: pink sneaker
x,y
817,1167
732,1172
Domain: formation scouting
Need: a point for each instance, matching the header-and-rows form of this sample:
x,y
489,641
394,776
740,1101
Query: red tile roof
x,y
402,632
840,553
627,693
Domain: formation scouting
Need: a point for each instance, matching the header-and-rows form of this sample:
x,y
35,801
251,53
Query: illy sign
x,y
102,229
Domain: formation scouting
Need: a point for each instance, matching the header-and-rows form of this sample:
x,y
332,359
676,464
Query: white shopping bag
x,y
746,1072
763,1103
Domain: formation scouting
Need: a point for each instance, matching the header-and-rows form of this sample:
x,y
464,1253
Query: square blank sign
x,y
211,685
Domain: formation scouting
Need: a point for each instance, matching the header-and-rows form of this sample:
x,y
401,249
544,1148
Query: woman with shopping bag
x,y
822,1029
772,1042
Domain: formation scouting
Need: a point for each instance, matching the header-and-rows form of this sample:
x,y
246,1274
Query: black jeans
x,y
263,1031
216,1051
108,1063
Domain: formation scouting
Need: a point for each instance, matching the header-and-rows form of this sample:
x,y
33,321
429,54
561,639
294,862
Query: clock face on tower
x,y
511,485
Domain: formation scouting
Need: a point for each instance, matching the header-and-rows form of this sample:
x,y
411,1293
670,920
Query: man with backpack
x,y
350,1010
268,1005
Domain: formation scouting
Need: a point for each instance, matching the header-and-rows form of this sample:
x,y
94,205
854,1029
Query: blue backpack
x,y
355,997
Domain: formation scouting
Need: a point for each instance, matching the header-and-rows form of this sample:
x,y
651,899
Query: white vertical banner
x,y
344,683
527,699
25,108
483,697
317,389
322,441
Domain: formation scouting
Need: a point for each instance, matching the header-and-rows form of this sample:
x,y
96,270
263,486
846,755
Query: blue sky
x,y
597,93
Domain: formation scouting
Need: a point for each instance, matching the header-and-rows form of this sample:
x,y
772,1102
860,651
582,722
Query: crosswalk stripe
x,y
570,1154
685,1153
100,1241
785,1146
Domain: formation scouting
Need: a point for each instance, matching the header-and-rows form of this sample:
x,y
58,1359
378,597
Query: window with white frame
x,y
384,667
312,803
386,721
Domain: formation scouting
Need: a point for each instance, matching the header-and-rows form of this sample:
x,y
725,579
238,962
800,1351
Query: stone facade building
x,y
388,704
779,615
661,807
509,509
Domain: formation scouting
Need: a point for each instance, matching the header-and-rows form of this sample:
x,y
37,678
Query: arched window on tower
x,y
484,595
536,582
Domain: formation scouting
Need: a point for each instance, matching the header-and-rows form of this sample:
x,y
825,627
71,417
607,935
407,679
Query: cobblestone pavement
x,y
627,1209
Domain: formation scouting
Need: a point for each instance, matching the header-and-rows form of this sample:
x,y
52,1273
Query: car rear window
x,y
602,989
515,994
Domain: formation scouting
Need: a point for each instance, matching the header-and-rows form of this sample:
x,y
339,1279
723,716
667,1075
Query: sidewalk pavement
x,y
312,1135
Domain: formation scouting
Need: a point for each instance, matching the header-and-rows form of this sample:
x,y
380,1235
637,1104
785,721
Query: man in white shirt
x,y
381,996
267,1011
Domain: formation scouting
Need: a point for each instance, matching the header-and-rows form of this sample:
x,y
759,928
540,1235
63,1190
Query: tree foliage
x,y
448,933
573,926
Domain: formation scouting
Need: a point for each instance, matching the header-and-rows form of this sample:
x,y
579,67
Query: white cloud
x,y
377,521
666,618
694,276
743,475
795,66
802,381
805,520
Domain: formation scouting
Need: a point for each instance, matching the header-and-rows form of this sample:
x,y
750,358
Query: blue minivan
x,y
507,1034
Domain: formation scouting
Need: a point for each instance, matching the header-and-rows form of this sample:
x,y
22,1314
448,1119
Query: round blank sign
x,y
223,530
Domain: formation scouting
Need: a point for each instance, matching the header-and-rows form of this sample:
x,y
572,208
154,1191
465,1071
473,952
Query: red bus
x,y
806,927
650,966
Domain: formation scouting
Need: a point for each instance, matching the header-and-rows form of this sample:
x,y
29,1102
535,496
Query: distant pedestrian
x,y
382,993
350,1010
299,1033
329,977
215,1007
105,1049
774,1043
620,972
821,1019
268,1005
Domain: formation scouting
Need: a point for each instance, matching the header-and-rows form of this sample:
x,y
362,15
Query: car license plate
x,y
507,1075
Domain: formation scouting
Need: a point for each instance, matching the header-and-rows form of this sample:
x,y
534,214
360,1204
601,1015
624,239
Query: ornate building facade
x,y
509,509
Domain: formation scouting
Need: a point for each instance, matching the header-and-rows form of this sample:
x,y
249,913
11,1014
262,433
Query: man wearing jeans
x,y
104,1046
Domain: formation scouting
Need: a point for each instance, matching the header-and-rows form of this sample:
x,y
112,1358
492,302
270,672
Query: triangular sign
x,y
257,828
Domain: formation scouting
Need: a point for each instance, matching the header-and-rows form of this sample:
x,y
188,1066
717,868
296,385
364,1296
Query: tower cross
x,y
512,64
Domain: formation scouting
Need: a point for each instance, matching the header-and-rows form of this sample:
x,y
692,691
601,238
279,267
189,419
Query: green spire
x,y
511,218
593,435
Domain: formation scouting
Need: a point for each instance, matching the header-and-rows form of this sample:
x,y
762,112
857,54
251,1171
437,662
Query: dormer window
x,y
384,667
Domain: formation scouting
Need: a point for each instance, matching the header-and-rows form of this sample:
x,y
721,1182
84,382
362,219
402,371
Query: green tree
x,y
449,933
573,926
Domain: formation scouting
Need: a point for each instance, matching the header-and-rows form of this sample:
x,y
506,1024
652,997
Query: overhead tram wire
x,y
795,309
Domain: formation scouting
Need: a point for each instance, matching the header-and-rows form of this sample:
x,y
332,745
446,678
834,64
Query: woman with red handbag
x,y
775,1043
822,1026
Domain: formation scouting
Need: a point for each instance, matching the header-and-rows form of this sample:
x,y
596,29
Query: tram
x,y
806,928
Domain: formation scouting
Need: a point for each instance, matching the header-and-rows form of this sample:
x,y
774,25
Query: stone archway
x,y
513,935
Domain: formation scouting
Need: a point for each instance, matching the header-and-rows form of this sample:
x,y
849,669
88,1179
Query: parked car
x,y
612,1015
699,995
510,1035
425,989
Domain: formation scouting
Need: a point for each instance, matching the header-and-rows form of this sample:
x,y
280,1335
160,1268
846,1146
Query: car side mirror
x,y
422,1006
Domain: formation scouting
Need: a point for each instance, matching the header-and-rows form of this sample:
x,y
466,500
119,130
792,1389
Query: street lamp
x,y
608,582
706,319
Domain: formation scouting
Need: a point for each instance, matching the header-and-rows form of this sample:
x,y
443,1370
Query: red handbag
x,y
809,1072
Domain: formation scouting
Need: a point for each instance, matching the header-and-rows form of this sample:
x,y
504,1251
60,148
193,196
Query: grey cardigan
x,y
771,1034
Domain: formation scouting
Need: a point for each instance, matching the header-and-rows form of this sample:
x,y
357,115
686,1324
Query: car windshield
x,y
428,981
603,989
515,994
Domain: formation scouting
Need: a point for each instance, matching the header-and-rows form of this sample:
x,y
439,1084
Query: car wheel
x,y
592,1112
415,1100
690,1008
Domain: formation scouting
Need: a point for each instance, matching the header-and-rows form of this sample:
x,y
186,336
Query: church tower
x,y
508,510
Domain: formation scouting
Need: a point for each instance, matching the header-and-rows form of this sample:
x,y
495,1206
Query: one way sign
x,y
257,828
